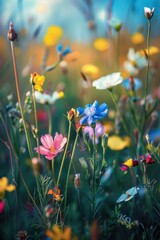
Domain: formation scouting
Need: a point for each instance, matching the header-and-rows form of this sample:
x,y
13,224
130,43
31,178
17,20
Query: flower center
x,y
52,149
90,111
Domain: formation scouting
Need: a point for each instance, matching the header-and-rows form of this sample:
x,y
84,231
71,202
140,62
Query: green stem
x,y
94,172
65,151
19,100
117,51
49,120
53,172
148,58
69,168
114,101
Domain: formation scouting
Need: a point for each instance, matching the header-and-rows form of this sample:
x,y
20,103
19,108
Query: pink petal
x,y
42,150
63,142
2,205
49,156
57,141
124,168
47,141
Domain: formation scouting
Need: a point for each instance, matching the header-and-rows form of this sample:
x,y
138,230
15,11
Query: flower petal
x,y
47,141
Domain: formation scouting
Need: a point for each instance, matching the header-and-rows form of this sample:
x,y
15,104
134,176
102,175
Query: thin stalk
x,y
53,172
69,168
94,173
114,101
117,50
20,172
65,151
19,99
148,58
49,120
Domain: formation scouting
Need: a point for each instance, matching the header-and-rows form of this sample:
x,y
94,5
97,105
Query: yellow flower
x,y
37,81
153,50
137,38
5,187
129,163
117,143
90,70
57,234
101,44
61,94
53,34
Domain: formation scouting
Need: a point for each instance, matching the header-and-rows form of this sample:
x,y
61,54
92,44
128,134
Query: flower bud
x,y
12,35
148,12
72,114
77,181
37,165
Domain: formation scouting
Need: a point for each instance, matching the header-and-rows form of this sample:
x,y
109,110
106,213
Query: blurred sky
x,y
73,16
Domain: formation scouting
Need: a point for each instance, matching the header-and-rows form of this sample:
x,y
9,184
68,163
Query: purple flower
x,y
99,131
92,112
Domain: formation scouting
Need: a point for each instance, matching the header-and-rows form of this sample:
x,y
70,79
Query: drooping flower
x,y
132,83
57,234
101,44
62,53
108,81
53,34
115,23
51,147
37,81
45,98
92,112
118,143
99,131
129,164
130,193
148,12
5,187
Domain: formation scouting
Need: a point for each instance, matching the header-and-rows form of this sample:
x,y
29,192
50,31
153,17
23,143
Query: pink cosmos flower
x,y
2,205
51,147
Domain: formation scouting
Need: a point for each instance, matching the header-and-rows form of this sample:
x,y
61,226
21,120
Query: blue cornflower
x,y
129,85
62,52
92,112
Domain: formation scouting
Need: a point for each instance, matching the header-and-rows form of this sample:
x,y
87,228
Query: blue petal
x,y
83,120
67,51
95,104
88,105
90,120
80,111
102,107
59,48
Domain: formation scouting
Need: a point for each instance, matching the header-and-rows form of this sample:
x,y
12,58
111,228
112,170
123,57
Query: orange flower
x,y
56,194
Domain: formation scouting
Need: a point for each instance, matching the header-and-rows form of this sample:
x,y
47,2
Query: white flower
x,y
148,12
130,68
108,81
44,98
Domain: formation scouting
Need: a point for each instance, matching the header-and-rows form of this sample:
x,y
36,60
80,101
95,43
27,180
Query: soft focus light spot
x,y
102,15
101,44
137,38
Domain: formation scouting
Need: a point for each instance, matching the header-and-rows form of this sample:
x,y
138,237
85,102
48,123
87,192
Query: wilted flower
x,y
5,187
72,114
57,234
92,112
108,81
37,81
130,193
115,23
12,35
45,98
77,181
101,44
51,147
148,12
99,131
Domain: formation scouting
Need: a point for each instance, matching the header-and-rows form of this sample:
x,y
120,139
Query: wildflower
x,y
90,70
62,53
99,130
12,35
45,98
101,44
117,143
2,206
132,83
130,193
49,211
146,158
108,81
37,81
5,187
51,147
77,181
116,24
148,12
92,112
137,38
57,234
56,194
129,164
72,114
53,34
